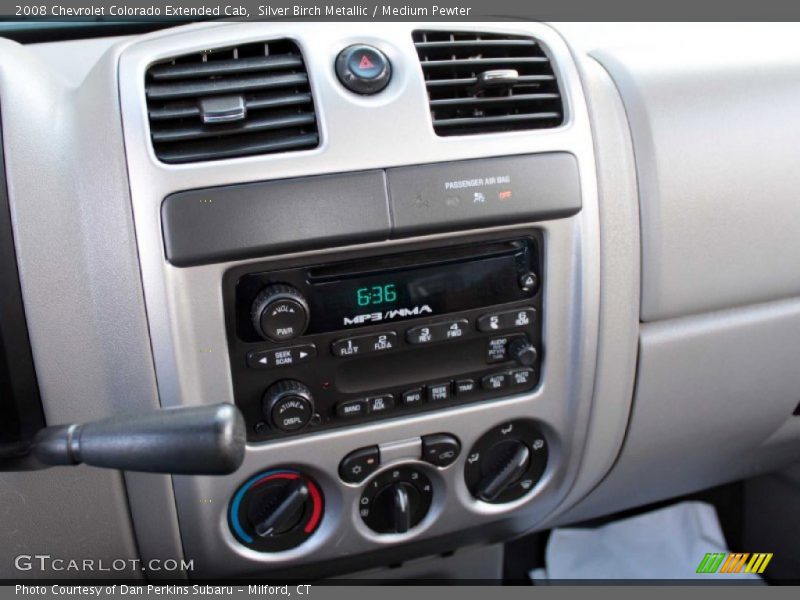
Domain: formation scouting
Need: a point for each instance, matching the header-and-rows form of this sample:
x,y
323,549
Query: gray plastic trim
x,y
242,221
717,176
714,401
618,337
81,286
185,305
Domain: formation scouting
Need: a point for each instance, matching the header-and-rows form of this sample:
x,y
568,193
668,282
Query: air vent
x,y
486,83
224,103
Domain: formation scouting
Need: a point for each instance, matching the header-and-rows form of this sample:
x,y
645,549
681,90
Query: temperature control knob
x,y
279,313
276,510
288,405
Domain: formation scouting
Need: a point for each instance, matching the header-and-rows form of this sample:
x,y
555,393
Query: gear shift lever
x,y
204,440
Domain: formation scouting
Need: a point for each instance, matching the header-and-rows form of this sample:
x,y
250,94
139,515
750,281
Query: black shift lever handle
x,y
203,440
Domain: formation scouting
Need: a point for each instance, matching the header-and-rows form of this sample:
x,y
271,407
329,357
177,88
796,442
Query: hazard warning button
x,y
363,69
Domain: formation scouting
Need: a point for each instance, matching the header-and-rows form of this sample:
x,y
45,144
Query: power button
x,y
363,69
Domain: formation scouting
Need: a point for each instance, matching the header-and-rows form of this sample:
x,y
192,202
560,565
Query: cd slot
x,y
414,260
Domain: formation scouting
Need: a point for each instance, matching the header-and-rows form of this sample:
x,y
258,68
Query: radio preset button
x,y
439,392
281,357
380,404
412,397
509,319
464,387
351,409
521,378
437,332
364,344
495,381
360,464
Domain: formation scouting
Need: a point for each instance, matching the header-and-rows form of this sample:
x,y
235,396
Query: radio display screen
x,y
415,292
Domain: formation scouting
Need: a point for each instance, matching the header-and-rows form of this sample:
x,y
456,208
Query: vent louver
x,y
230,102
487,83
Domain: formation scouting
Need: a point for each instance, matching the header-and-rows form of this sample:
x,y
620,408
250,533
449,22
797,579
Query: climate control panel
x,y
340,343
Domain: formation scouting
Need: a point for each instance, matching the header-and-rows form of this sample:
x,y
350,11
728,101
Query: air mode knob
x,y
506,462
279,313
288,405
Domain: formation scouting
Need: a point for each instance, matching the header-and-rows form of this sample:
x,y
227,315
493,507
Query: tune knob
x,y
276,510
279,313
288,405
521,350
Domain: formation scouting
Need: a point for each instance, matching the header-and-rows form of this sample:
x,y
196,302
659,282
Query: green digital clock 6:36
x,y
376,294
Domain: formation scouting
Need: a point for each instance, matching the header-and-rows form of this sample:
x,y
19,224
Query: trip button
x,y
281,357
364,344
351,409
495,381
439,392
464,387
360,464
437,332
380,404
440,449
509,319
521,378
412,397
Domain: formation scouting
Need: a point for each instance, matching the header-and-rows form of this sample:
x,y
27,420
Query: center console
x,y
404,310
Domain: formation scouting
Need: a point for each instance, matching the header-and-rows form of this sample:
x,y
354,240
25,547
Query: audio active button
x,y
364,344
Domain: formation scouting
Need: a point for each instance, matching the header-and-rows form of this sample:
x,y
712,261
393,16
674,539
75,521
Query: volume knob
x,y
288,405
279,313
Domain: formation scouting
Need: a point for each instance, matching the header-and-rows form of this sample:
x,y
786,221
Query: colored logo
x,y
732,563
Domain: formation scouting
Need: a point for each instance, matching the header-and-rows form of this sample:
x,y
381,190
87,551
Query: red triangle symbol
x,y
365,63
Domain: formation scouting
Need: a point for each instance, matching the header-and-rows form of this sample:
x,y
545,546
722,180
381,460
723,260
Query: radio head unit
x,y
329,344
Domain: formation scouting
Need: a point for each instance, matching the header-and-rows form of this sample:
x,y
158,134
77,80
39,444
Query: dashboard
x,y
463,281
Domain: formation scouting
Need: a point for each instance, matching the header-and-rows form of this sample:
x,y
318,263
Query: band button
x,y
351,409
